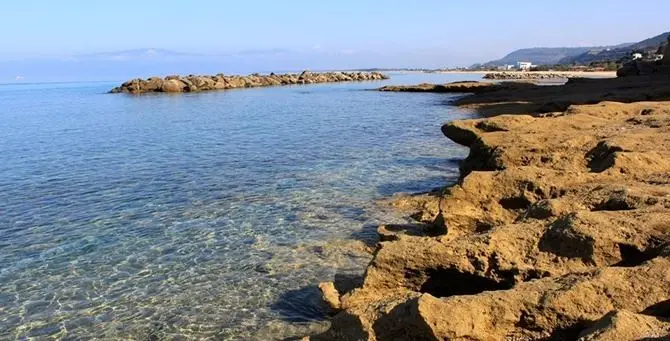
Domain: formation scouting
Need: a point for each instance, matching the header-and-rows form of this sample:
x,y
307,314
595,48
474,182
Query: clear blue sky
x,y
426,32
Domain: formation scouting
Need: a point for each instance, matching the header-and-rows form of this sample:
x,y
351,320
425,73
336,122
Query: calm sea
x,y
201,216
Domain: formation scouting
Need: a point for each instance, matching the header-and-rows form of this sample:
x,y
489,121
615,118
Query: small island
x,y
192,83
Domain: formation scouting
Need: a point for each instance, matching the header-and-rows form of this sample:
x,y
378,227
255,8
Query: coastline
x,y
558,227
567,74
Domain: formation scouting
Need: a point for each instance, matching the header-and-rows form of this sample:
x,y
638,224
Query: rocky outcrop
x,y
642,68
558,229
625,325
193,83
458,87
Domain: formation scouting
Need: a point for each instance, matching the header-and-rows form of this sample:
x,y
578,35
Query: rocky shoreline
x,y
192,83
559,228
458,87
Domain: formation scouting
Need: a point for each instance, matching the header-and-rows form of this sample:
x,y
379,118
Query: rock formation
x,y
457,87
666,53
559,228
641,68
220,82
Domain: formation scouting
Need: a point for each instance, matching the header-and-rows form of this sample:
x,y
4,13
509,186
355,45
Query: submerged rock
x,y
193,83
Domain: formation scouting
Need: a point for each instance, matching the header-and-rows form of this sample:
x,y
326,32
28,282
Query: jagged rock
x,y
622,325
557,220
458,87
194,83
330,295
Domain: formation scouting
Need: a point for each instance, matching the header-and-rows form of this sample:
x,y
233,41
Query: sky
x,y
275,35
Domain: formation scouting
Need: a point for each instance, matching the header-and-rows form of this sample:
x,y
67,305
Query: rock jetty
x,y
558,229
192,83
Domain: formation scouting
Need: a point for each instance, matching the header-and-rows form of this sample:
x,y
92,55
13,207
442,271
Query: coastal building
x,y
524,66
637,56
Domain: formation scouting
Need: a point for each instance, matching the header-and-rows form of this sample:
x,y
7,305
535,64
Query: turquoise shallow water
x,y
200,216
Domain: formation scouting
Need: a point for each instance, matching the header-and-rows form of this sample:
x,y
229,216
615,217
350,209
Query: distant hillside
x,y
647,46
540,55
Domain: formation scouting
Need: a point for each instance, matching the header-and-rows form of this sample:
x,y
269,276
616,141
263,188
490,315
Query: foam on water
x,y
207,215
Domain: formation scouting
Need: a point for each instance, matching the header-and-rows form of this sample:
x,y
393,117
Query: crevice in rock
x,y
559,106
617,203
514,203
570,332
481,158
631,255
601,157
660,309
555,193
489,126
445,282
483,226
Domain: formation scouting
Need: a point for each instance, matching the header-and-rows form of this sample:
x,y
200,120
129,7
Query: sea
x,y
203,216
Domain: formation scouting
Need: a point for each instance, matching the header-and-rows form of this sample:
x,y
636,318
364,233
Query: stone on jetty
x,y
193,83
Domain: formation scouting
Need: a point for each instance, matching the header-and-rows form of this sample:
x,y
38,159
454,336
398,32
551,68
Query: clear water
x,y
200,216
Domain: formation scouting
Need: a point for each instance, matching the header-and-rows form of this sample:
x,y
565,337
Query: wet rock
x,y
330,295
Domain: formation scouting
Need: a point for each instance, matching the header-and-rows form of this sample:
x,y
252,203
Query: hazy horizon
x,y
76,40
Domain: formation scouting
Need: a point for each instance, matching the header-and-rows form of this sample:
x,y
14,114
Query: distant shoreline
x,y
586,74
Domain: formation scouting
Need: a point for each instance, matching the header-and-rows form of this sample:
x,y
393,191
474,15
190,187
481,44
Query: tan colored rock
x,y
623,325
172,85
194,83
330,295
561,216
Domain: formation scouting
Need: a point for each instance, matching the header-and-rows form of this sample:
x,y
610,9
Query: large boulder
x,y
172,85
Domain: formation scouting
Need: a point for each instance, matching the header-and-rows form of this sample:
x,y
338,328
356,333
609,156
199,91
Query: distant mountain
x,y
136,55
647,46
541,55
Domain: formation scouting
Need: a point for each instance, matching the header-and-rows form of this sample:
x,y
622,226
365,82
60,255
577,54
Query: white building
x,y
524,66
637,56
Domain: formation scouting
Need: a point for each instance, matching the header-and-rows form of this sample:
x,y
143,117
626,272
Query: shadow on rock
x,y
301,305
549,99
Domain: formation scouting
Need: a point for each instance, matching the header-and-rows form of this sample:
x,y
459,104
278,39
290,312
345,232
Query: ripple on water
x,y
205,216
